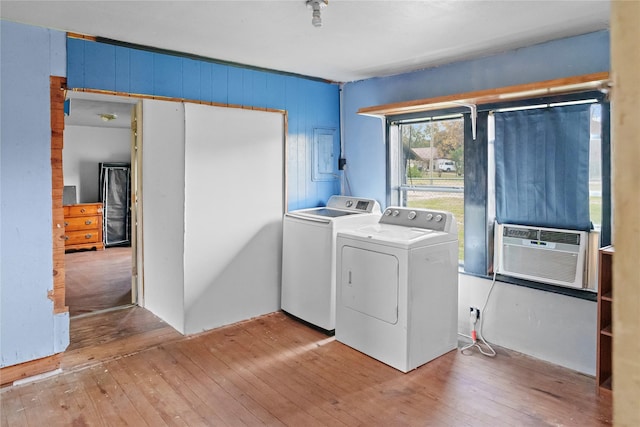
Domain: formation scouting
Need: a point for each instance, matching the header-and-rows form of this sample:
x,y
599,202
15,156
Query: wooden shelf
x,y
604,369
565,85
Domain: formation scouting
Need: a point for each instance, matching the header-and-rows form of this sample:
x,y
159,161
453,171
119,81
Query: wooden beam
x,y
9,374
57,89
561,86
172,99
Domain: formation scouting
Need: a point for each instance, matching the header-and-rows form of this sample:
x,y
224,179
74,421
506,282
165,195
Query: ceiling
x,y
359,39
87,109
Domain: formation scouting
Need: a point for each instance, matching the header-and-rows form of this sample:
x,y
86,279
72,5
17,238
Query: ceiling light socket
x,y
316,5
107,117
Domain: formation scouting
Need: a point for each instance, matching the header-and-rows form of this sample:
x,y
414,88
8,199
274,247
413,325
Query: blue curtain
x,y
542,167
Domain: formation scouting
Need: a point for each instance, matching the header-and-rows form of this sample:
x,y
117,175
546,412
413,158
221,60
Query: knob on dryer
x,y
412,215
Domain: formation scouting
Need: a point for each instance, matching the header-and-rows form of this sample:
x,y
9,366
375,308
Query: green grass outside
x,y
453,205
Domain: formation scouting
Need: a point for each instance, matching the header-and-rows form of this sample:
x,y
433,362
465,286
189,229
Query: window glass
x,y
431,168
595,166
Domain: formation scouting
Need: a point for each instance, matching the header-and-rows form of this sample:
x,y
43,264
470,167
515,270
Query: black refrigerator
x,y
115,195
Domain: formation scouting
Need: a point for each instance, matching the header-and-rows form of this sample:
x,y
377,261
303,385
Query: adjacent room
x,y
311,212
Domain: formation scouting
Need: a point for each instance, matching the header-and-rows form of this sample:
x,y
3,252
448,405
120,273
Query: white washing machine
x,y
397,287
308,256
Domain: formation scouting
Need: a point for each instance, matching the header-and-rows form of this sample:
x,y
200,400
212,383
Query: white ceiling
x,y
86,109
359,39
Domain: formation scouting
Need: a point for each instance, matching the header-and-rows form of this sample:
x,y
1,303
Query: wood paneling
x,y
275,371
127,71
57,89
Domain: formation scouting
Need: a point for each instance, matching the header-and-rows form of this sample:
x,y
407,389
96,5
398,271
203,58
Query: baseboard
x,y
9,374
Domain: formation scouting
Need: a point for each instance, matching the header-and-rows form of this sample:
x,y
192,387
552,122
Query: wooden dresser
x,y
83,226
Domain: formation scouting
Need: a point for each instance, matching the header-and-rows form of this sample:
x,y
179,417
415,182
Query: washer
x,y
308,256
397,287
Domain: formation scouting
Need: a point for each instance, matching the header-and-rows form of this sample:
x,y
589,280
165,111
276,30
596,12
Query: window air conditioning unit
x,y
547,255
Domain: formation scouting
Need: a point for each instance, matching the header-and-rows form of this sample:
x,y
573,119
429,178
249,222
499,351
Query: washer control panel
x,y
418,218
353,204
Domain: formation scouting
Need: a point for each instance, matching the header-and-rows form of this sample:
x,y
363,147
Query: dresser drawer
x,y
88,209
82,223
79,237
83,226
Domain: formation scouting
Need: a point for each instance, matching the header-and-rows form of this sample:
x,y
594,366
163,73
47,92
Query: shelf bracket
x,y
473,109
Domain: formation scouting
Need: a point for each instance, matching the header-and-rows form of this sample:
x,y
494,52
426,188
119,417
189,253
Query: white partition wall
x,y
233,214
213,198
163,209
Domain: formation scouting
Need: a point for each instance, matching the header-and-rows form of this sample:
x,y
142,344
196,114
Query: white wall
x,y
234,202
545,325
213,199
84,148
163,209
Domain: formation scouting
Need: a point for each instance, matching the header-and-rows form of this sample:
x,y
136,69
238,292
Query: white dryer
x,y
309,258
397,287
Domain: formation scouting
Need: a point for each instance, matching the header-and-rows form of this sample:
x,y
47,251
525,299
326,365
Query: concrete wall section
x,y
548,326
84,148
29,329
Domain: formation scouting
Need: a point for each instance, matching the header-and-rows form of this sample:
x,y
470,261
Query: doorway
x,y
97,137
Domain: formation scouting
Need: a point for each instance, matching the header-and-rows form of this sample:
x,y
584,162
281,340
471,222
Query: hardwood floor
x,y
97,280
275,371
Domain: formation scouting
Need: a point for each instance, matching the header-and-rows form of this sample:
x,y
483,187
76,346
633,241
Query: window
x,y
548,169
595,166
589,205
429,169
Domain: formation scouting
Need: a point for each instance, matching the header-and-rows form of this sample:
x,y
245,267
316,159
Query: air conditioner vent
x,y
539,254
560,237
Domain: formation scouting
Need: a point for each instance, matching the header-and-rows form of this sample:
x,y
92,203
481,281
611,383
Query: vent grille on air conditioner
x,y
541,254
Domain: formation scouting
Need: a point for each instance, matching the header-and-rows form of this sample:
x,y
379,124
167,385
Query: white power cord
x,y
476,338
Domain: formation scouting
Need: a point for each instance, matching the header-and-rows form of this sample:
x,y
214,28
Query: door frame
x,y
58,91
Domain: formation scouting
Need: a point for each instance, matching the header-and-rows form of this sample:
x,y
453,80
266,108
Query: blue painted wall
x,y
28,328
310,104
364,136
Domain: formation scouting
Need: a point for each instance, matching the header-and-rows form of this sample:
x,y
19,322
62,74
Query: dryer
x,y
397,287
308,256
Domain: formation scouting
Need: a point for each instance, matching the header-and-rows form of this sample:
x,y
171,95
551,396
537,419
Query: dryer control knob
x,y
387,212
429,216
412,215
438,218
396,212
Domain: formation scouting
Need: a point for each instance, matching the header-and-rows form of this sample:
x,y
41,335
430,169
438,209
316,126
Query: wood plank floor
x,y
275,371
97,280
